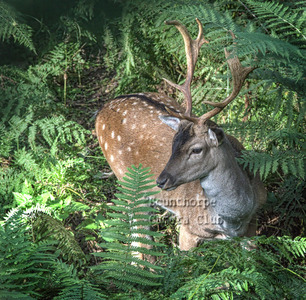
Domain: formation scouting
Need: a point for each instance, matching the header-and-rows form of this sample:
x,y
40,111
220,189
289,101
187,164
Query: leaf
x,y
128,225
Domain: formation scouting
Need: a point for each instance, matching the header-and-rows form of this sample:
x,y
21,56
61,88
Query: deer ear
x,y
215,136
173,122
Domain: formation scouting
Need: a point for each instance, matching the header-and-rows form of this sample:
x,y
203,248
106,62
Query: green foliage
x,y
24,265
50,164
81,290
30,266
284,20
229,270
36,139
55,131
46,227
129,224
276,52
11,26
63,62
289,162
217,269
286,200
141,59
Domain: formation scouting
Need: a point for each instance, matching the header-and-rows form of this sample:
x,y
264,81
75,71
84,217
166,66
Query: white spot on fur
x,y
124,121
129,149
124,113
120,152
119,138
144,125
112,158
113,134
103,126
105,146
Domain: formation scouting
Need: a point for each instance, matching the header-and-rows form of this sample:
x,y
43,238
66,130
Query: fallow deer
x,y
201,182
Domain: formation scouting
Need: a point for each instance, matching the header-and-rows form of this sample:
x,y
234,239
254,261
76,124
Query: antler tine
x,y
239,74
192,48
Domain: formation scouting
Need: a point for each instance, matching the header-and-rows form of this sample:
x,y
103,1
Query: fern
x,y
56,130
29,265
20,259
46,227
285,153
11,27
286,208
289,248
280,18
68,284
227,270
81,289
288,162
128,225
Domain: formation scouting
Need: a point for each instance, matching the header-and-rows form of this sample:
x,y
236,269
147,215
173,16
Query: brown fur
x,y
130,132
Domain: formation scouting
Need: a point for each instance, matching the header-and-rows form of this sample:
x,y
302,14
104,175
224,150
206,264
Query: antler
x,y
239,74
192,48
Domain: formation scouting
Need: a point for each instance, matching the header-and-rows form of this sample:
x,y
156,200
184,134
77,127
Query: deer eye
x,y
196,150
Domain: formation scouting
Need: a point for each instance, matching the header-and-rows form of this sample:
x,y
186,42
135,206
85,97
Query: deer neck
x,y
229,188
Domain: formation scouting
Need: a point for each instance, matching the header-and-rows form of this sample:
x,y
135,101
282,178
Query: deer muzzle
x,y
165,181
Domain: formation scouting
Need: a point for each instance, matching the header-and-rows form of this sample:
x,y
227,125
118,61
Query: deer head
x,y
199,145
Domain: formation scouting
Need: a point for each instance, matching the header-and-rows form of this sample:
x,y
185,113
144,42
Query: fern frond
x,y
57,130
81,289
23,264
286,246
289,162
226,270
127,226
279,17
11,27
255,43
46,227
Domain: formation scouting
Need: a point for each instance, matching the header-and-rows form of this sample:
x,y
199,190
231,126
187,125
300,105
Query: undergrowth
x,y
61,235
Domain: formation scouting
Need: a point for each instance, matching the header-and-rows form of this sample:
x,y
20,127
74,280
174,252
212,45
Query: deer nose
x,y
161,182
